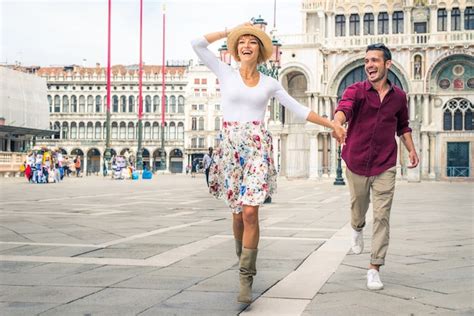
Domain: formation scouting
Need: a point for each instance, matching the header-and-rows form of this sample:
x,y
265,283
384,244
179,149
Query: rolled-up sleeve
x,y
348,102
402,120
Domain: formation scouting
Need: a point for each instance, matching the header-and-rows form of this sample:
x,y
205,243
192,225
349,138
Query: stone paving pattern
x,y
95,246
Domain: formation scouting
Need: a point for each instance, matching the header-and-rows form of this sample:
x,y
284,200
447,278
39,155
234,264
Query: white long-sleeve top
x,y
241,103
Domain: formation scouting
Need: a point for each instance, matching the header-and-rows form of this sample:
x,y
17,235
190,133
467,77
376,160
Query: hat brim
x,y
234,36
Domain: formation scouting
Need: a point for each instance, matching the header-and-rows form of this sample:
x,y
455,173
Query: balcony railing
x,y
391,40
458,172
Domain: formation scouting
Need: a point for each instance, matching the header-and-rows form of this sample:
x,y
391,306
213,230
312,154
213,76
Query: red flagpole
x,y
163,70
140,95
140,71
107,154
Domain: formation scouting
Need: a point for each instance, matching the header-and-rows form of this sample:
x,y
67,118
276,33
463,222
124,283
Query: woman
x,y
243,172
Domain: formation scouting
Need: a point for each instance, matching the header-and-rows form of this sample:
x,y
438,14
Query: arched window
x,y
82,104
180,104
172,130
167,134
382,23
115,104
457,115
173,104
73,130
65,131
90,104
217,123
201,123
354,26
397,23
74,104
65,104
82,130
442,20
50,102
166,104
147,134
90,131
131,130
123,104
98,129
98,104
156,130
156,104
147,104
340,25
57,103
469,18
131,104
368,24
455,19
114,131
193,124
123,131
181,130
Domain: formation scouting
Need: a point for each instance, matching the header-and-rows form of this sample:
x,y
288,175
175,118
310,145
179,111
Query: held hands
x,y
414,160
339,133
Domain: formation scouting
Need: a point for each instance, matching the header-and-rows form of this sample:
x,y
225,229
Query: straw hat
x,y
234,36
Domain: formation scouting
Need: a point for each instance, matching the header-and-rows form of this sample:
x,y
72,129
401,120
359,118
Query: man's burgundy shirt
x,y
371,147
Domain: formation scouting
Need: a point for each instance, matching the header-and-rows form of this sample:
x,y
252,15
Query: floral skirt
x,y
243,170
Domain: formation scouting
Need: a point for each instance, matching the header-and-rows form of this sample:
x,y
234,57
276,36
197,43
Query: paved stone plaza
x,y
93,246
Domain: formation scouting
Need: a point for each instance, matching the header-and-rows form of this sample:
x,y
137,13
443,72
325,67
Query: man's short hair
x,y
387,55
210,148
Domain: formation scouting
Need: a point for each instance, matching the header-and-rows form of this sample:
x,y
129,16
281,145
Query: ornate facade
x,y
78,105
432,44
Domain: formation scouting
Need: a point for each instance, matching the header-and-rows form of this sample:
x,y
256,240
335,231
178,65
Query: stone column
x,y
424,155
462,20
283,155
333,155
413,174
426,107
407,19
276,150
347,16
412,106
322,24
432,174
325,155
433,19
448,24
390,22
376,23
331,26
313,156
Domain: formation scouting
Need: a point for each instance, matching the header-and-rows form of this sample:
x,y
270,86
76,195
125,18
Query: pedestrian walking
x,y
376,110
77,165
243,171
207,162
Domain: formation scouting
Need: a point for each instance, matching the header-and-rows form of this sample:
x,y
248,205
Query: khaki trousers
x,y
383,188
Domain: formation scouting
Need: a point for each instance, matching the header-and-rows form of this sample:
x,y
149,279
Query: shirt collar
x,y
368,85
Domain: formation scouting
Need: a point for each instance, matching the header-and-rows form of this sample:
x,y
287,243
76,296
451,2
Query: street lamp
x,y
339,179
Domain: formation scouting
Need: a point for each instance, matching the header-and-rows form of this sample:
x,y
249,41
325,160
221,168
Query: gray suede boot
x,y
238,247
247,271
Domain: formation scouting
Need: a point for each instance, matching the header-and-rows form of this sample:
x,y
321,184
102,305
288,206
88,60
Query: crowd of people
x,y
49,166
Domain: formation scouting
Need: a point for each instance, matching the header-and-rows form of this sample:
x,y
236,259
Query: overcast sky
x,y
64,32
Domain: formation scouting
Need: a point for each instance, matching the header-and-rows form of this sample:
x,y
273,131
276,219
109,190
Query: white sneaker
x,y
373,280
357,243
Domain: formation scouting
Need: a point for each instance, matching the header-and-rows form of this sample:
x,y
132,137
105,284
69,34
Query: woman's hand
x,y
240,25
339,133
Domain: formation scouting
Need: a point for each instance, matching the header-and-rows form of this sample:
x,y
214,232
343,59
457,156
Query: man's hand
x,y
339,133
414,160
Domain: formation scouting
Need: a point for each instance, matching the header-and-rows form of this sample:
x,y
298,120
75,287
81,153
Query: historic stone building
x,y
78,103
432,43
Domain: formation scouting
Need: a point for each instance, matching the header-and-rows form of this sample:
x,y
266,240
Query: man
x,y
207,161
375,110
